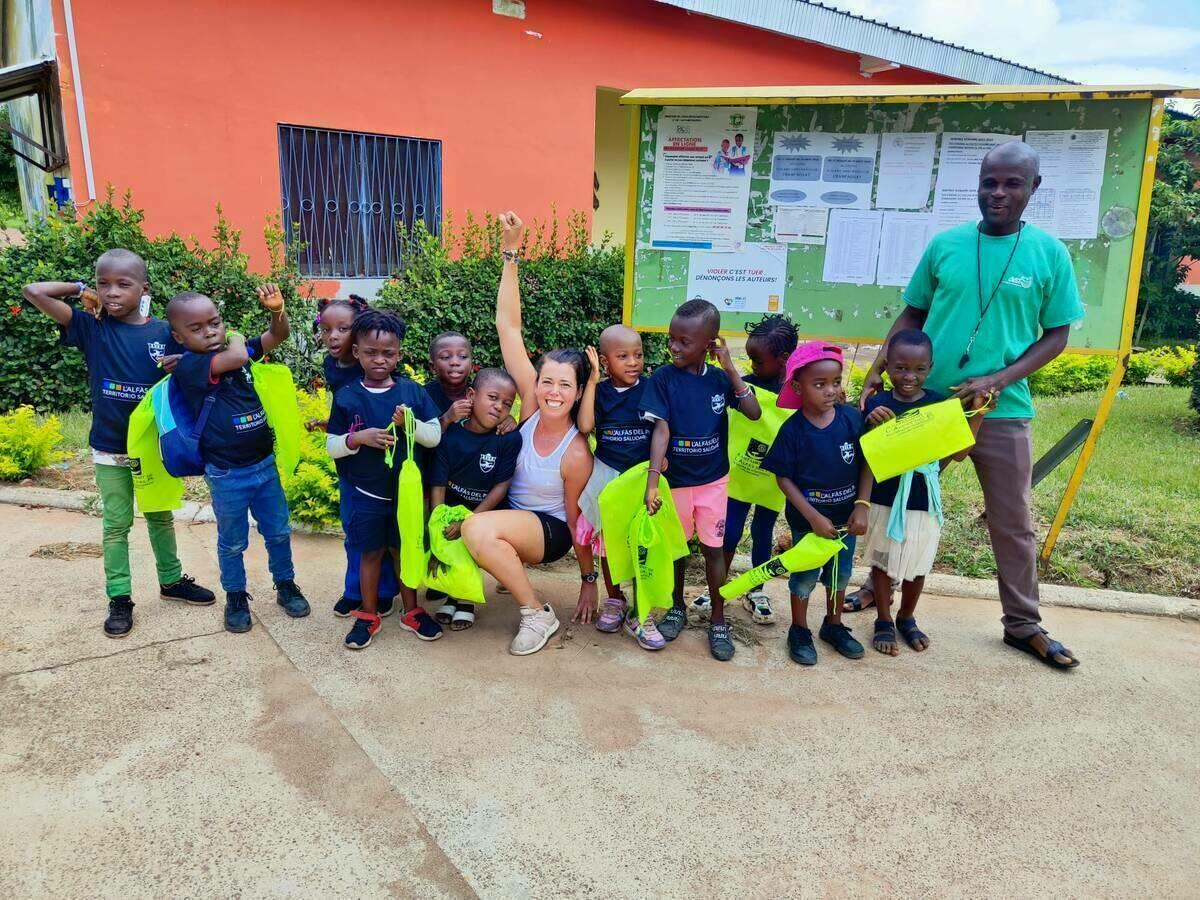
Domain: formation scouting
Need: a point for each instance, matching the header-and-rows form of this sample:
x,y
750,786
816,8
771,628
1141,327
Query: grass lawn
x,y
1135,519
1133,526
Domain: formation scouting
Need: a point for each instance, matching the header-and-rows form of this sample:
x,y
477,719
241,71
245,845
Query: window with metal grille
x,y
352,193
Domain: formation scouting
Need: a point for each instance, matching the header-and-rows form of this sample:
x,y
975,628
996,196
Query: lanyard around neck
x,y
984,307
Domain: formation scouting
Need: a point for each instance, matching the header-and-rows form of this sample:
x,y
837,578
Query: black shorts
x,y
557,537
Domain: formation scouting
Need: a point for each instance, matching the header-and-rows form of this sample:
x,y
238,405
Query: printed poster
x,y
1072,167
751,280
817,168
702,167
956,197
905,170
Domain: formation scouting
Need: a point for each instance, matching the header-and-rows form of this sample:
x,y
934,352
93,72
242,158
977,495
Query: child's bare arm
x,y
494,497
232,358
50,298
437,496
866,480
271,298
585,418
659,438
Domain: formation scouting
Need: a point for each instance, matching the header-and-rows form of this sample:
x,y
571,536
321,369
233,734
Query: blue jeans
x,y
762,529
250,489
801,584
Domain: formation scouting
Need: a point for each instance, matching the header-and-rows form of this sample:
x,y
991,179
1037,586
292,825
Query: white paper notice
x,y
905,170
956,198
904,237
852,248
1068,203
751,280
814,168
801,224
702,177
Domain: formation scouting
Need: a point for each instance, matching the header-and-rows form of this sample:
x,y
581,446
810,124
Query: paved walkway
x,y
183,761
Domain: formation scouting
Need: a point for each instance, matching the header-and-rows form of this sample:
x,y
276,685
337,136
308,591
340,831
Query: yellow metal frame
x,y
823,94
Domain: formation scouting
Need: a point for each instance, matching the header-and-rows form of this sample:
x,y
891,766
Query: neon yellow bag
x,y
922,435
410,510
155,489
811,552
277,392
629,530
748,444
457,574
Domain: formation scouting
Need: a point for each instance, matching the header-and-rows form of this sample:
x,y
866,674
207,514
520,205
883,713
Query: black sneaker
x,y
120,617
800,646
345,606
289,597
237,612
671,625
384,606
843,641
720,641
188,591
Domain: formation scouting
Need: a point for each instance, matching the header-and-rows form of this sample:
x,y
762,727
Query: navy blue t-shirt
x,y
236,433
884,492
122,365
468,465
354,408
824,463
622,435
694,408
433,388
337,377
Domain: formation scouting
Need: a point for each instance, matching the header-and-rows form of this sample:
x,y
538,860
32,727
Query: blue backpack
x,y
178,432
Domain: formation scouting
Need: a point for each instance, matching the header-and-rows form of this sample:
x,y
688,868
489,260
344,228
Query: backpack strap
x,y
202,418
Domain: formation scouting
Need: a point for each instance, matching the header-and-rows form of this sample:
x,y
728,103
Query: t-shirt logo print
x,y
487,462
718,403
156,349
847,452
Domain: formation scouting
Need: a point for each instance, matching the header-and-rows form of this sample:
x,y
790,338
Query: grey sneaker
x,y
700,609
671,625
537,626
758,604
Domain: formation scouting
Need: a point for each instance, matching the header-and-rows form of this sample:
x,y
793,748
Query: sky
x,y
1090,41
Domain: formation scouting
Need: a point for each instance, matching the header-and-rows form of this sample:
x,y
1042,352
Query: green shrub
x,y
1072,373
36,370
312,493
570,291
27,446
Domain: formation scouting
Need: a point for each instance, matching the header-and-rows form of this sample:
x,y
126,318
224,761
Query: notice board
x,y
841,191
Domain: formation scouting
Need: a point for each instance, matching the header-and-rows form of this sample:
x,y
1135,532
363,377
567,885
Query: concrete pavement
x,y
183,761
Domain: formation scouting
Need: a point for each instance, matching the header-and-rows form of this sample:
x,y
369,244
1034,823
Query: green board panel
x,y
862,313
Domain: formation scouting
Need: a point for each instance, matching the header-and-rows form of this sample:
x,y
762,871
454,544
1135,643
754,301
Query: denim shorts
x,y
802,583
369,523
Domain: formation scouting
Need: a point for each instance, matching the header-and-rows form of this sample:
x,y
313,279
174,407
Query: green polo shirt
x,y
1038,292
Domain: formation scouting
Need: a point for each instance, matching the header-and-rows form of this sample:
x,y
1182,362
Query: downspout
x,y
78,76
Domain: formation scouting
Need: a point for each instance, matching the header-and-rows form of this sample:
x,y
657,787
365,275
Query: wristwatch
x,y
82,285
589,578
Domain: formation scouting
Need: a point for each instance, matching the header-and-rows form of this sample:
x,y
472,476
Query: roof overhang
x,y
901,93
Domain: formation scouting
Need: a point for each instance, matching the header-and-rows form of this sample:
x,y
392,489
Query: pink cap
x,y
810,352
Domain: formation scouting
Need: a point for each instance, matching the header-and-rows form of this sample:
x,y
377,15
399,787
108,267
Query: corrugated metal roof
x,y
809,21
897,93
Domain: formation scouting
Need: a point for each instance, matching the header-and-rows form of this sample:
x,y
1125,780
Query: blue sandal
x,y
911,633
1054,648
884,631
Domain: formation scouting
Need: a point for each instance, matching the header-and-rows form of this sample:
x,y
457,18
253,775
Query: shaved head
x,y
123,260
1013,153
614,335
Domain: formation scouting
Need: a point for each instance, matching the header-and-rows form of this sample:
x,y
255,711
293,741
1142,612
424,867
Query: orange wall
x,y
182,98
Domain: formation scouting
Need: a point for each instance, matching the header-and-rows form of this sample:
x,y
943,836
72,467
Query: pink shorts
x,y
702,511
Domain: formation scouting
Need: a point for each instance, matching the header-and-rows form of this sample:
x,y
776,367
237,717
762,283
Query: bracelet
x,y
512,256
653,472
866,503
82,287
742,395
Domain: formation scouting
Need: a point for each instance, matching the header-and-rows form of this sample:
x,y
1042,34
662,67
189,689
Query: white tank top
x,y
537,484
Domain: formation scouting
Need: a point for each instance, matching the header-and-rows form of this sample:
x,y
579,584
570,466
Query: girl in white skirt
x,y
905,522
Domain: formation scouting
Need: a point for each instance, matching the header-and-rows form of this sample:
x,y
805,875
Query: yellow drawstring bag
x,y
748,444
155,489
811,552
629,530
276,391
917,437
410,510
457,574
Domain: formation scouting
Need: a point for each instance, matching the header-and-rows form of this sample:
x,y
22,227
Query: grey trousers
x,y
1003,458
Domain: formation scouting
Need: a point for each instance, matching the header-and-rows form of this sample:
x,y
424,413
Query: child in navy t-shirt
x,y
368,462
611,411
122,345
687,401
237,445
473,466
818,464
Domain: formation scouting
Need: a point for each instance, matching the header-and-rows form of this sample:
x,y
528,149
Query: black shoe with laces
x,y
289,597
120,617
188,591
237,612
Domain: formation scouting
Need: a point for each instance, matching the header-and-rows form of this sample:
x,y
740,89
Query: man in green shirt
x,y
997,299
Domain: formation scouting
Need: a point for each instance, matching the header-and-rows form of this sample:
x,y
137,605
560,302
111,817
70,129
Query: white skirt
x,y
902,561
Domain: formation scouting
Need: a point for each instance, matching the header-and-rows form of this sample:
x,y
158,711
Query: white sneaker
x,y
537,626
758,604
700,609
